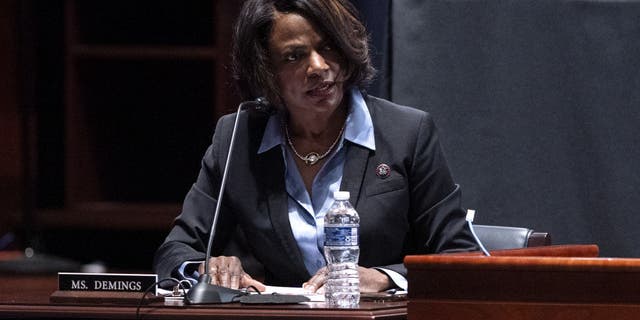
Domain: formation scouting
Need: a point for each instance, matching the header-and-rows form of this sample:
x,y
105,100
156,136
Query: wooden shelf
x,y
145,82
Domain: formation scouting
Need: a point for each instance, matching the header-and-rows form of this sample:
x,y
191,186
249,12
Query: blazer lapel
x,y
272,165
355,168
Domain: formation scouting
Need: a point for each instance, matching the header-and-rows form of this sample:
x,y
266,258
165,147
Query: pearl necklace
x,y
312,157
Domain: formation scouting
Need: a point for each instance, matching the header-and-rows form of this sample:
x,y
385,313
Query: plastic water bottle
x,y
341,249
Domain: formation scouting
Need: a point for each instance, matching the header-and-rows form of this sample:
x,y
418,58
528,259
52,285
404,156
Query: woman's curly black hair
x,y
338,20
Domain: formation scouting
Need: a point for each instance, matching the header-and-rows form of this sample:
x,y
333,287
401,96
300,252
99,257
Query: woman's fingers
x,y
225,271
246,281
317,281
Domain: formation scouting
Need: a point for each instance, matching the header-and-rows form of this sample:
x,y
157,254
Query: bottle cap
x,y
341,195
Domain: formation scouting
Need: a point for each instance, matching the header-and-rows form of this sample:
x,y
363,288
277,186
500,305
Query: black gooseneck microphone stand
x,y
204,292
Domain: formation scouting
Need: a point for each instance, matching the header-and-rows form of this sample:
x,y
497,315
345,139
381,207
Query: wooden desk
x,y
28,297
545,286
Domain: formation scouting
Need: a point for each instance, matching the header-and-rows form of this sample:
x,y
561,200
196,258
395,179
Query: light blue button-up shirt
x,y
307,211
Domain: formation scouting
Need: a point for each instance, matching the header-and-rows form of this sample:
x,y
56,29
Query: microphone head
x,y
263,105
260,105
262,101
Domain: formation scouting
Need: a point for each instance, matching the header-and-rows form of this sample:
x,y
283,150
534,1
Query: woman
x,y
310,59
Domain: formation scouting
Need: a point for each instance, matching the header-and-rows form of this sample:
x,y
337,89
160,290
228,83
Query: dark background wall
x,y
377,19
538,106
10,128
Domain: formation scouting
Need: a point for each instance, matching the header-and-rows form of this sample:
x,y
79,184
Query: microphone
x,y
204,292
470,216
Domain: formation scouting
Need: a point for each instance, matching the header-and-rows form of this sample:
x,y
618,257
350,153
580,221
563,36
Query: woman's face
x,y
306,65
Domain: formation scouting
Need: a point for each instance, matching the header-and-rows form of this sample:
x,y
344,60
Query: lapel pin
x,y
383,171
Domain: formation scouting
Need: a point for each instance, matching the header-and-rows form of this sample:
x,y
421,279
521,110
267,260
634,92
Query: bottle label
x,y
340,236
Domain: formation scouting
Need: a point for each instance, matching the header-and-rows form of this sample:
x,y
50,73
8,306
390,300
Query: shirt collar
x,y
359,128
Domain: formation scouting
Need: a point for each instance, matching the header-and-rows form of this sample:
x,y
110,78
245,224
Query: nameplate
x,y
106,282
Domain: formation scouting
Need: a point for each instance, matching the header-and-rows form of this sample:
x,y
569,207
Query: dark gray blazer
x,y
415,210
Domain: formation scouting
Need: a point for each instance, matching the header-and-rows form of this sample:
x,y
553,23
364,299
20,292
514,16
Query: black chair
x,y
499,237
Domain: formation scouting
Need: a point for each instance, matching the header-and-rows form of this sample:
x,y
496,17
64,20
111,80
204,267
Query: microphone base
x,y
206,293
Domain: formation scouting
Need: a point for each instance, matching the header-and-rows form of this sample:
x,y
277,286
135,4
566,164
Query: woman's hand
x,y
228,272
371,280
